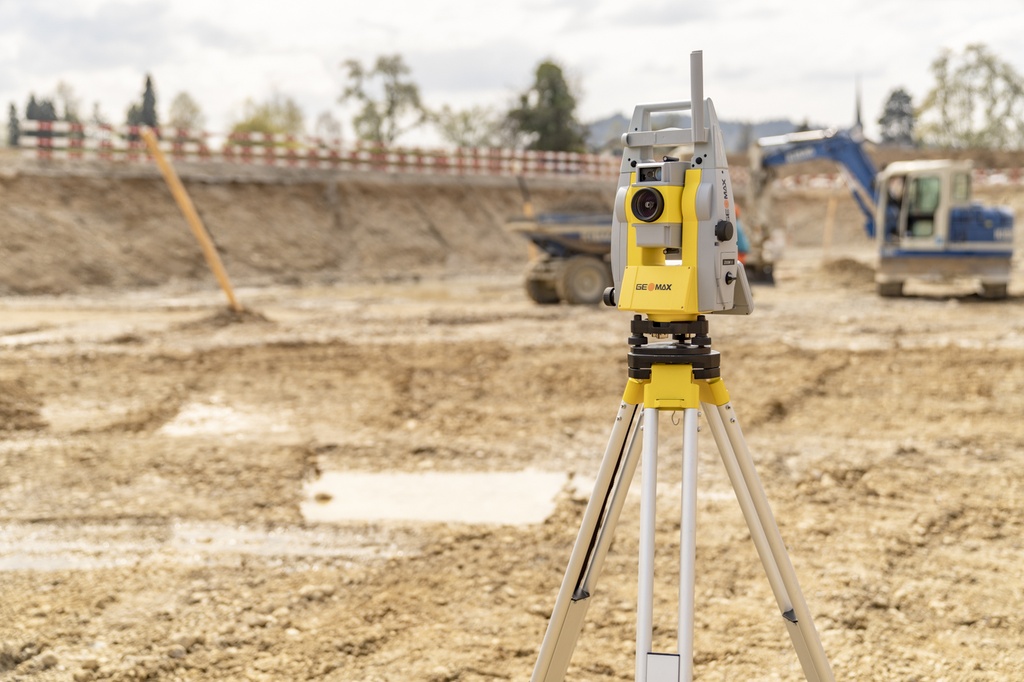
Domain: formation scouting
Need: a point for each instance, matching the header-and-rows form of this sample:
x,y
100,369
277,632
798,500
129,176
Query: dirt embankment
x,y
72,228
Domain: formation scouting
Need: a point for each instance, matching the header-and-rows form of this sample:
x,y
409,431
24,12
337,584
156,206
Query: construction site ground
x,y
160,455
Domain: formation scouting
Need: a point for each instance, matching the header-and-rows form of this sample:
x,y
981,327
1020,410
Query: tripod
x,y
682,374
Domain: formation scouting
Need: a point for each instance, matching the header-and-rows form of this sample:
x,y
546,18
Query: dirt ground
x,y
156,454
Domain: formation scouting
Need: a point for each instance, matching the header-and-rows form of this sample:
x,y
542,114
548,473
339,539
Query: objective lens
x,y
648,204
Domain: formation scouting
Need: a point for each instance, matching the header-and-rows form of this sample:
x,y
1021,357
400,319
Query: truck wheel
x,y
890,289
541,291
993,290
583,280
760,273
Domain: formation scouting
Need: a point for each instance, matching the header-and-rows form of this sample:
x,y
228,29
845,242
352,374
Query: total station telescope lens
x,y
648,204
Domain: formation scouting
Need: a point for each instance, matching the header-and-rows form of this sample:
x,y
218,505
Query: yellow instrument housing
x,y
650,284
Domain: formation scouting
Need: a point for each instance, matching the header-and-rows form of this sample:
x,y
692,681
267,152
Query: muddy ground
x,y
157,455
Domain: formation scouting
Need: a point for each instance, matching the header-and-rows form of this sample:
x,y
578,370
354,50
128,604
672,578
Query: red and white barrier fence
x,y
62,140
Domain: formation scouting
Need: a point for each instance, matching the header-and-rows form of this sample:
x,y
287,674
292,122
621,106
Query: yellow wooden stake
x,y
194,222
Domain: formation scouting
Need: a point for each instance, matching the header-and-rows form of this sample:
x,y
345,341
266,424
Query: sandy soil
x,y
157,453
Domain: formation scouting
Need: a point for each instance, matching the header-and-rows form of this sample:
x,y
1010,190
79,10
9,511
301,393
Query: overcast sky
x,y
763,59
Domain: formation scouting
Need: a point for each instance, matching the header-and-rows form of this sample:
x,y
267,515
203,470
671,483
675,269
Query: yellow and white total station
x,y
674,260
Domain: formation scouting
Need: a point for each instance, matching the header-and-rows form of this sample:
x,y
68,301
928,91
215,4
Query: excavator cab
x,y
931,228
918,198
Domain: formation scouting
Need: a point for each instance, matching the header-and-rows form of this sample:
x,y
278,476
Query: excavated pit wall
x,y
74,226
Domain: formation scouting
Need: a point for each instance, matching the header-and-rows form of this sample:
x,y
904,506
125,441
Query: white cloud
x,y
763,59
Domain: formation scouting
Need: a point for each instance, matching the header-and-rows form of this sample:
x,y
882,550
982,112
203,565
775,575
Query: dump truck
x,y
570,254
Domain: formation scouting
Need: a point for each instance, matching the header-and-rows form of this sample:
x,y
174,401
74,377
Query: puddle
x,y
213,418
508,498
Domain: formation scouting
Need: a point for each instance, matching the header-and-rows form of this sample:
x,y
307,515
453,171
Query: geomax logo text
x,y
654,287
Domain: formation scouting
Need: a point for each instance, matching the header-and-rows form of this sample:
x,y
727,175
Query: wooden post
x,y
830,224
194,222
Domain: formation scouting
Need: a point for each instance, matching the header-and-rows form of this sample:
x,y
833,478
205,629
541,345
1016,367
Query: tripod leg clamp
x,y
713,391
634,394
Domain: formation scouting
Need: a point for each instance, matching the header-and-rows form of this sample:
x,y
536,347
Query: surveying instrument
x,y
674,259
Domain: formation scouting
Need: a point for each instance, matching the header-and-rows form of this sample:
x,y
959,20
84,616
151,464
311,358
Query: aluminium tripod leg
x,y
764,532
652,666
688,545
592,542
645,564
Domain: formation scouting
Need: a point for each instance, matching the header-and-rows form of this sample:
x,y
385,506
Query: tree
x,y
185,113
144,113
47,111
277,115
148,112
390,104
134,115
977,101
897,119
69,101
327,128
43,110
32,109
473,127
546,114
98,117
13,128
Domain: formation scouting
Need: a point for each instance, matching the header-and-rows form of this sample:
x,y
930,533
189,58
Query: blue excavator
x,y
920,213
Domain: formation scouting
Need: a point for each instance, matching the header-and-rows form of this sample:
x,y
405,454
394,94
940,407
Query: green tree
x,y
277,115
473,127
977,101
546,115
897,120
43,110
13,128
144,113
389,103
134,116
185,112
149,116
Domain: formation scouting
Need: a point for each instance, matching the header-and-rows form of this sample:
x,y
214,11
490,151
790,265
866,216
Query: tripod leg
x,y
765,534
671,387
592,542
680,667
688,544
645,568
